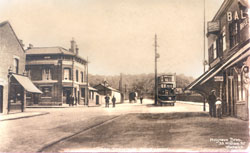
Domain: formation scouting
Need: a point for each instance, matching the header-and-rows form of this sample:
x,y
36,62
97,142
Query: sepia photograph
x,y
124,75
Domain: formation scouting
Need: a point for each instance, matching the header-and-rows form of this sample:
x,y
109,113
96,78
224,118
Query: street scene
x,y
124,76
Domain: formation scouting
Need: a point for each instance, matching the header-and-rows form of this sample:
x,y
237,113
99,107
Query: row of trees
x,y
141,83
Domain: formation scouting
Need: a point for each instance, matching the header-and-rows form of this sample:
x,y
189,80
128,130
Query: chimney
x,y
30,46
77,49
73,45
21,42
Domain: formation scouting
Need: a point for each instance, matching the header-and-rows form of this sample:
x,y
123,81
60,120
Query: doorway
x,y
1,99
97,99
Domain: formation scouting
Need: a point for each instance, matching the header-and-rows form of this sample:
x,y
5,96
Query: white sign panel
x,y
218,78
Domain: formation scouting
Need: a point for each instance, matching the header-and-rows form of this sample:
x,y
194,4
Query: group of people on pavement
x,y
107,98
71,100
215,108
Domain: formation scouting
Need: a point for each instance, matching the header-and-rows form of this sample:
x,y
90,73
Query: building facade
x,y
13,81
104,89
58,73
228,49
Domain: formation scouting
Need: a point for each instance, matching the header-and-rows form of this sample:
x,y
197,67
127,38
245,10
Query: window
x,y
81,76
16,65
167,79
233,30
46,92
224,43
67,74
214,50
76,75
46,74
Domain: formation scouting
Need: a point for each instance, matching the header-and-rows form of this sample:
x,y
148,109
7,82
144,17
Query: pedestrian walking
x,y
211,102
68,99
113,101
107,101
218,104
141,98
72,100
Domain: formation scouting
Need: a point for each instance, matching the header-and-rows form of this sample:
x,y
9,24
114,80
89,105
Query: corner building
x,y
229,61
58,73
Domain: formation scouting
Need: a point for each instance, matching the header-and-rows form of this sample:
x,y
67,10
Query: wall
x,y
9,48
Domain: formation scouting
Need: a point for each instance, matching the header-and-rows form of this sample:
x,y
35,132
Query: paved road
x,y
32,134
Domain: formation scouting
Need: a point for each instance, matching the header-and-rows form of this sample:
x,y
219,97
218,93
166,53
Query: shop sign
x,y
218,79
213,26
235,16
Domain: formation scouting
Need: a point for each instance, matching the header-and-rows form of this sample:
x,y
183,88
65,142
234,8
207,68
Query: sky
x,y
117,36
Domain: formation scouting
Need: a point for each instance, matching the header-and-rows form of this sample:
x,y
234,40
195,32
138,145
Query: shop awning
x,y
233,58
26,83
202,77
241,54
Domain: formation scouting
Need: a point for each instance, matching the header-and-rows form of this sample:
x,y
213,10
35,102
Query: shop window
x,y
76,75
47,92
16,65
233,31
81,76
46,74
67,74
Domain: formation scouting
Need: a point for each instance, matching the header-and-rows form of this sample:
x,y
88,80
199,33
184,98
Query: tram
x,y
166,89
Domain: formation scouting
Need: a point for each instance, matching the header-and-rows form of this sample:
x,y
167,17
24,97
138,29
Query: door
x,y
97,100
36,97
1,99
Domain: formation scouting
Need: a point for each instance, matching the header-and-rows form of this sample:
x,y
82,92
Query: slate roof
x,y
48,50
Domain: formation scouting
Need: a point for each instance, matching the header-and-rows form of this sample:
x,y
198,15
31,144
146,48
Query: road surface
x,y
49,132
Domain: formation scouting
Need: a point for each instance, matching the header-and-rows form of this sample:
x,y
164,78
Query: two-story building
x,y
58,73
13,82
229,61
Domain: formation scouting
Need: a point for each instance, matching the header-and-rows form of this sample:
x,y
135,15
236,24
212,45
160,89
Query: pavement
x,y
20,115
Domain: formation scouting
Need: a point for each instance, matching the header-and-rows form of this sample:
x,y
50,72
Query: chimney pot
x,y
30,46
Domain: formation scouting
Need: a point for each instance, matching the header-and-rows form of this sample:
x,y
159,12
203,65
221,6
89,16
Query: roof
x,y
91,88
8,23
51,51
108,87
48,50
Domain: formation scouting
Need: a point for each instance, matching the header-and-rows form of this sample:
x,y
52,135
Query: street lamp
x,y
10,72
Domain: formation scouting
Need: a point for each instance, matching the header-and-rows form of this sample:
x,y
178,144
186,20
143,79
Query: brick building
x,y
228,49
13,83
58,73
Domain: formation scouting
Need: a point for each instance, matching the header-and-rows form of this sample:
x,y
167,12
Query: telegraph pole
x,y
156,82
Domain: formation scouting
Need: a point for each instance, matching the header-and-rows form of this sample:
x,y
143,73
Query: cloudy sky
x,y
117,36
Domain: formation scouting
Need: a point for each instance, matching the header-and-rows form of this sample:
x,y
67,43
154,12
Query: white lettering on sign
x,y
229,16
235,15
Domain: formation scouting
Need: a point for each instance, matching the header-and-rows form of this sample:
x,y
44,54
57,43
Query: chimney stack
x,y
30,46
73,45
21,42
77,49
